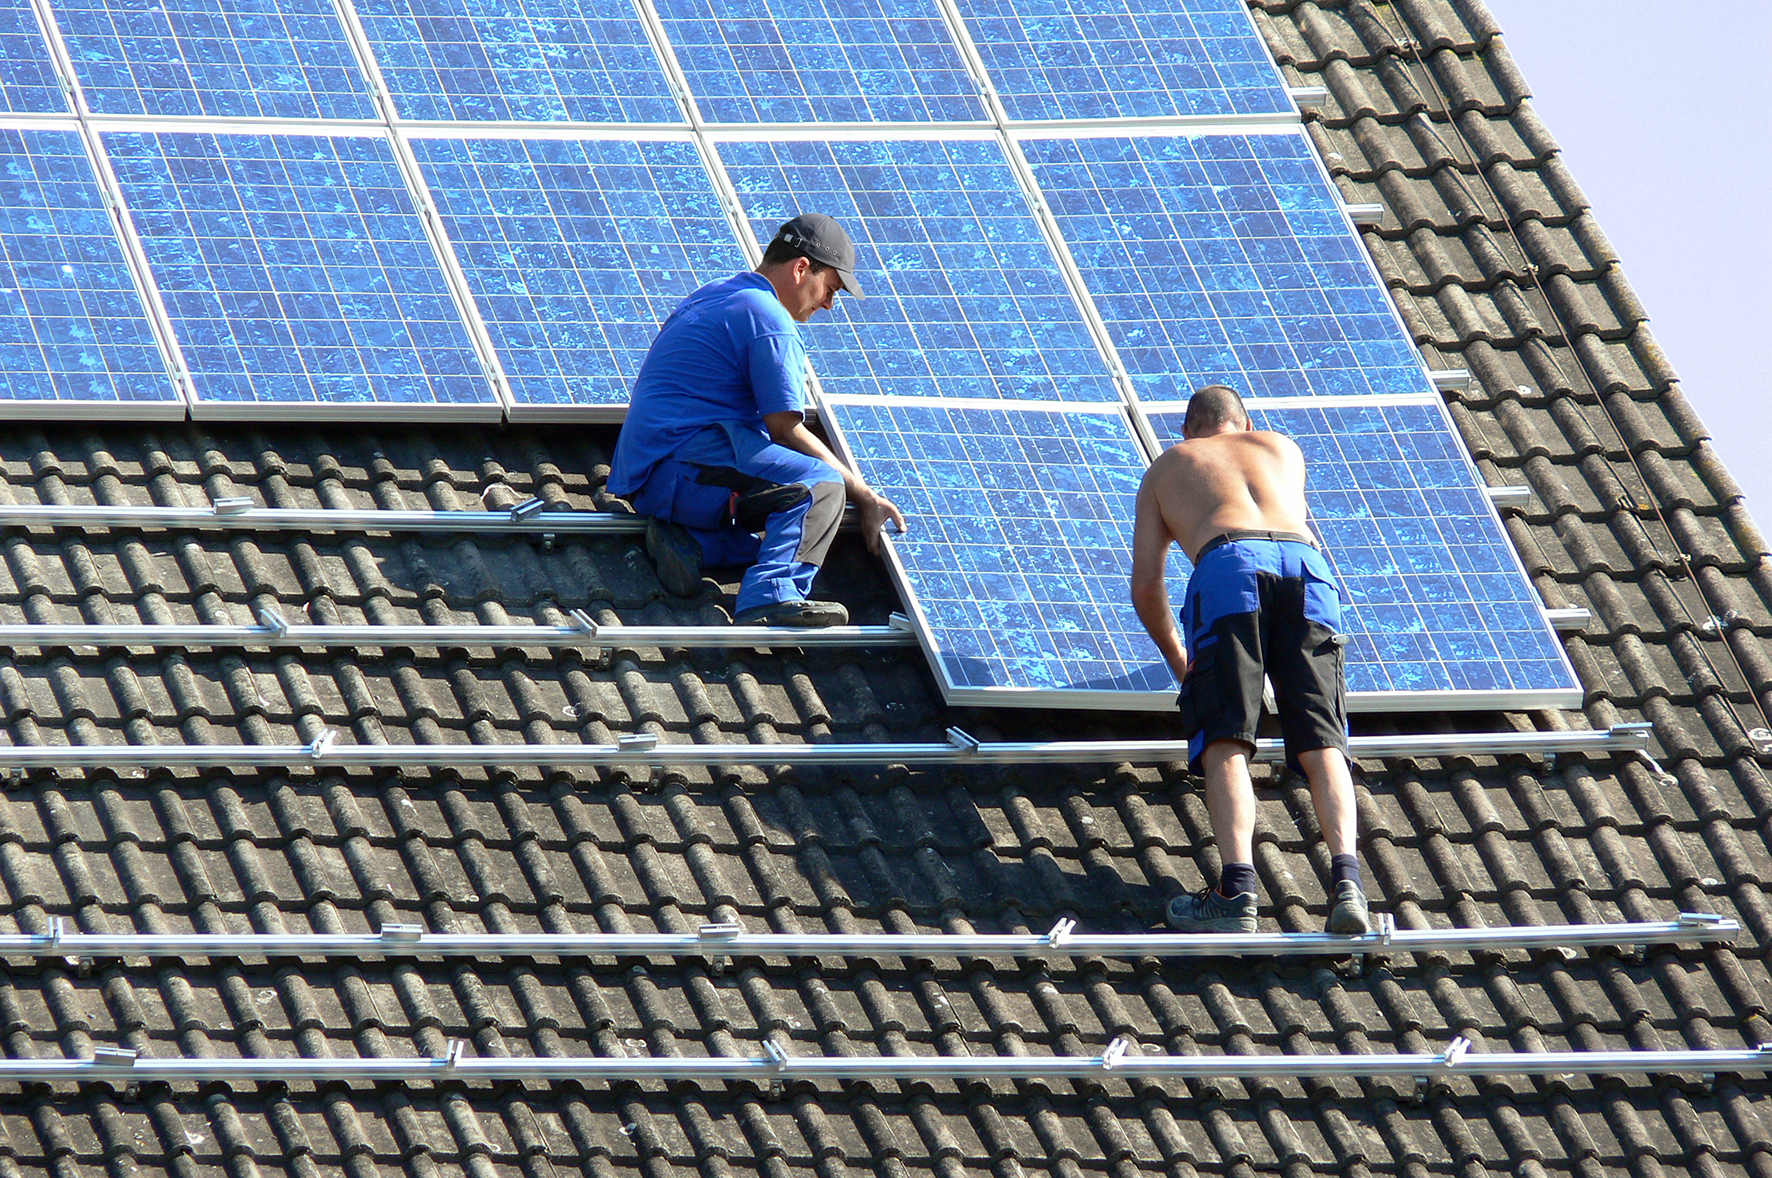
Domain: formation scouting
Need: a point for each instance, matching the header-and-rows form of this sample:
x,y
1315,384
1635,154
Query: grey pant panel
x,y
821,523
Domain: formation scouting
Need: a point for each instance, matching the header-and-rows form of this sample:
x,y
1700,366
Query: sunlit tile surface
x,y
523,60
274,58
1111,59
1224,259
965,296
72,327
576,251
1439,602
295,269
1019,539
791,61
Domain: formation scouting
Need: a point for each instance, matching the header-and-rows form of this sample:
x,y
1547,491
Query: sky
x,y
1658,107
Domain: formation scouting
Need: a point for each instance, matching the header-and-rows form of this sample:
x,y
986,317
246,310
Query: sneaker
x,y
677,556
1348,916
1209,912
805,614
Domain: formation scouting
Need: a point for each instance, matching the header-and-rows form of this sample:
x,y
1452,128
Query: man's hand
x,y
876,509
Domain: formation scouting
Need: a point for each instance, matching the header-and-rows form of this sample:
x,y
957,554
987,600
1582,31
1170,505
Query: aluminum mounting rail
x,y
533,517
1121,1059
583,634
645,749
732,940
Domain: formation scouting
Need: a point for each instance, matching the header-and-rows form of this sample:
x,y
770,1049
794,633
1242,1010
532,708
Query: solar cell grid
x,y
295,270
72,326
272,58
1108,59
27,73
792,61
1438,600
519,60
972,301
1224,259
576,251
1019,539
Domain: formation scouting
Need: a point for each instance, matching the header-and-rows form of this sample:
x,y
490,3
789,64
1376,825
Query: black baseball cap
x,y
823,240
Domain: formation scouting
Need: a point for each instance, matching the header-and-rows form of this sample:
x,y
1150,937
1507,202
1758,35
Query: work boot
x,y
1348,917
1210,912
805,614
677,556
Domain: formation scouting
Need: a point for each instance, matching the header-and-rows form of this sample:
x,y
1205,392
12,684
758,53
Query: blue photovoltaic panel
x,y
27,75
965,297
520,60
1018,541
72,327
1224,259
275,58
1115,59
295,270
799,61
1439,602
576,251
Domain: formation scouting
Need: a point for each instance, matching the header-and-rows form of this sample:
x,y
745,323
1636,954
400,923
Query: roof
x,y
1498,268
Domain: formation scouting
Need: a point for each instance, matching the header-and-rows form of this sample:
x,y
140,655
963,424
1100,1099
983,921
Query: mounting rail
x,y
1121,1059
583,636
645,749
731,940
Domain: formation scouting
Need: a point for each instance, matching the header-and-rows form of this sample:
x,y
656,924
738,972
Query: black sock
x,y
1237,879
1344,867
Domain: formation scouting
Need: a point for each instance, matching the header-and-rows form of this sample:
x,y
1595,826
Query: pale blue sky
x,y
1658,106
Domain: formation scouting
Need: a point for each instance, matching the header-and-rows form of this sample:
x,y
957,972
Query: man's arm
x,y
788,428
1150,587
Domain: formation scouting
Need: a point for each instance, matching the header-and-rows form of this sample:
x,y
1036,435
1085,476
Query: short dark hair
x,y
1213,407
779,251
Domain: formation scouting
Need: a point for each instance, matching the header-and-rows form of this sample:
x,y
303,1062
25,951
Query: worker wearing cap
x,y
715,446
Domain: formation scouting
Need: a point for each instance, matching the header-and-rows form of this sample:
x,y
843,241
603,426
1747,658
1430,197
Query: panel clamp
x,y
529,507
232,506
322,743
583,622
964,741
1061,932
636,742
724,930
898,621
778,1057
1386,928
1116,1051
114,1057
402,934
271,620
58,927
1455,1052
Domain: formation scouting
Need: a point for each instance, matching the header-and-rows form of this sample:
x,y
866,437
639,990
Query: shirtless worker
x,y
1261,599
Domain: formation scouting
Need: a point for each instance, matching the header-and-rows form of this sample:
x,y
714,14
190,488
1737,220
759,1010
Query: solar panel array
x,y
1069,211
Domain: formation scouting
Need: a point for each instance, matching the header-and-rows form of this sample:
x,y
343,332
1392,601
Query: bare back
x,y
1206,486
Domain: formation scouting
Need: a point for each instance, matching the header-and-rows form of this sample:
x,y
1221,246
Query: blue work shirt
x,y
729,353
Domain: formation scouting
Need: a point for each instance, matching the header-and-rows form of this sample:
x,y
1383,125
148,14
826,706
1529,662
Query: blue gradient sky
x,y
1659,109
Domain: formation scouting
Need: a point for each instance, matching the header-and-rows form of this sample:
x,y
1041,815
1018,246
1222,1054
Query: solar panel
x,y
523,60
1224,259
275,58
72,326
576,250
792,61
297,273
972,303
27,73
1116,59
1019,542
1439,601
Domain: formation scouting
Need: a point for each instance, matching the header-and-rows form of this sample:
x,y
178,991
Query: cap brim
x,y
849,283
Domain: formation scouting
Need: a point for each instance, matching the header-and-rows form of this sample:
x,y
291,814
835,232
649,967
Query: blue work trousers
x,y
786,556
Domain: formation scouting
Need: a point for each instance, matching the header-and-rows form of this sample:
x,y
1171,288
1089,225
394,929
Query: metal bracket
x,y
529,507
964,741
1061,933
273,621
583,622
454,1054
778,1057
636,742
58,927
1386,928
233,505
1701,919
402,934
1662,776
114,1057
322,743
1455,1051
1365,213
1308,94
720,931
898,621
1116,1051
